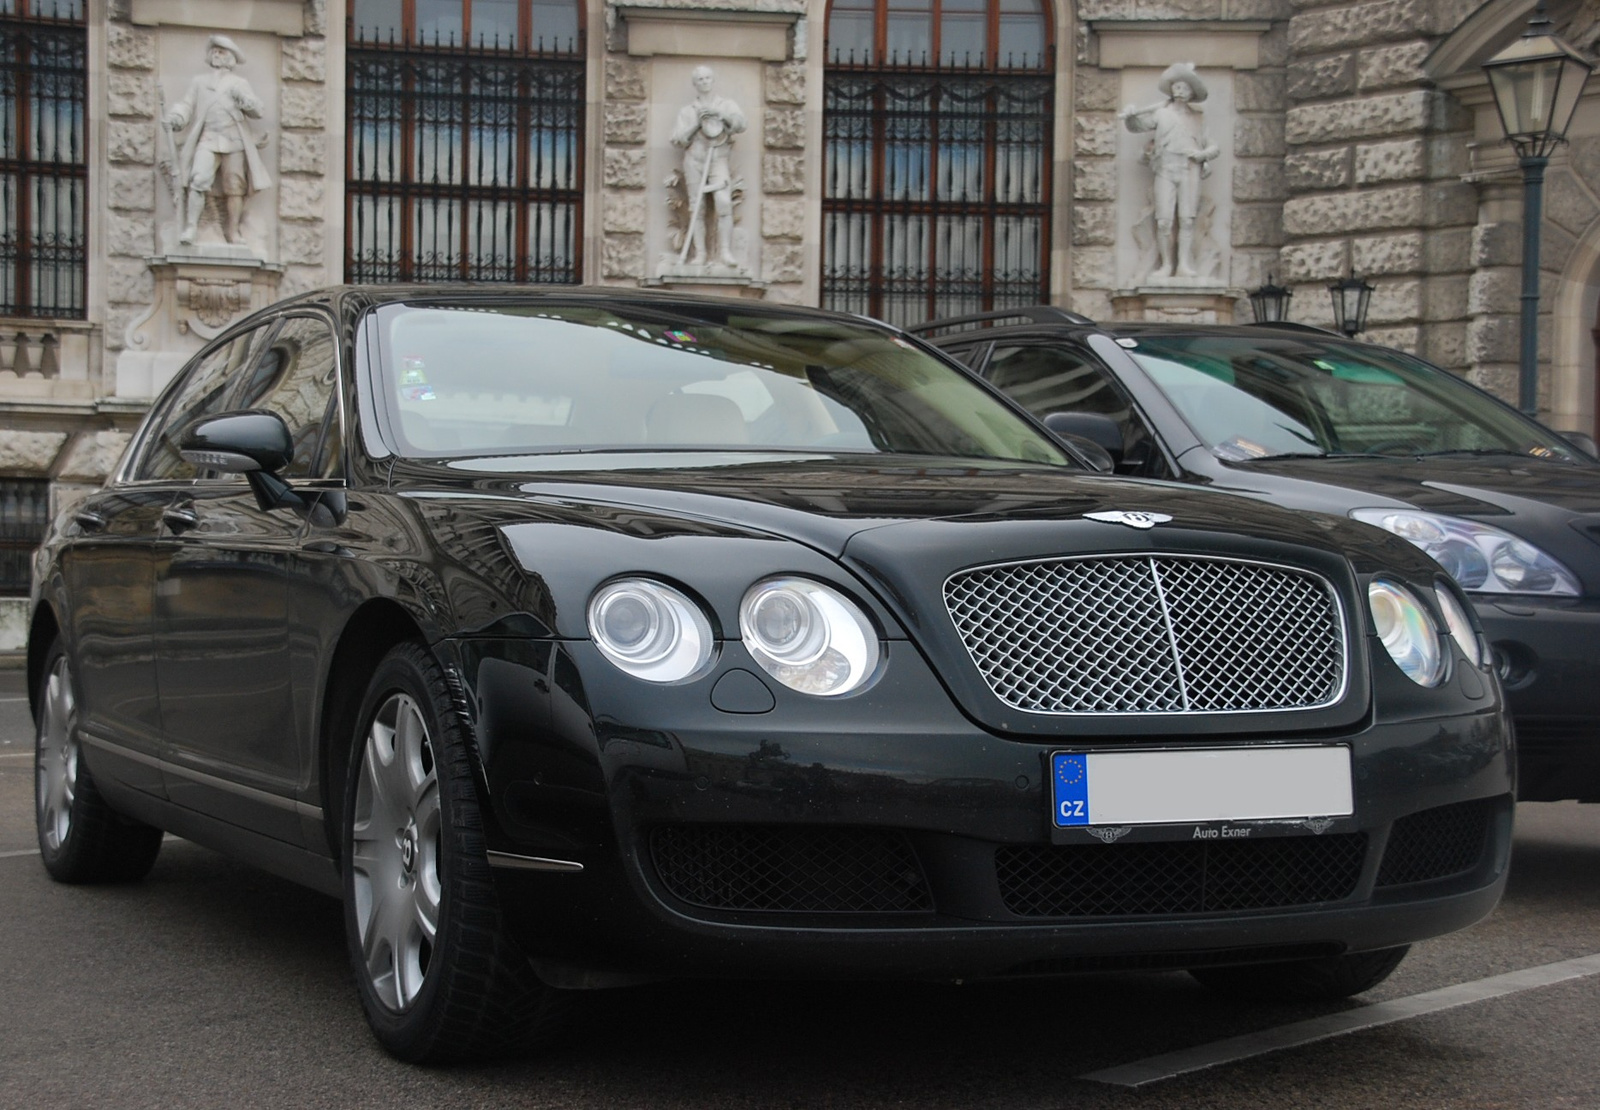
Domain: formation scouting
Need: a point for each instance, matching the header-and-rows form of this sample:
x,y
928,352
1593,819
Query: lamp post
x,y
1536,81
1351,297
1270,303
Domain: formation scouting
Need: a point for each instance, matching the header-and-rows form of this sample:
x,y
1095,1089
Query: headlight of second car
x,y
808,636
1482,558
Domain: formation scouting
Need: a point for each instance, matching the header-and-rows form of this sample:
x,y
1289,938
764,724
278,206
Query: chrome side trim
x,y
166,767
514,862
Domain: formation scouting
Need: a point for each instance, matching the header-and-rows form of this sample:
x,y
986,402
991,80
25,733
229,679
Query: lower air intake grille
x,y
1179,877
785,869
1436,843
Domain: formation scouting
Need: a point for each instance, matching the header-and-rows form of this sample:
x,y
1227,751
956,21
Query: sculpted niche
x,y
703,192
1179,157
221,151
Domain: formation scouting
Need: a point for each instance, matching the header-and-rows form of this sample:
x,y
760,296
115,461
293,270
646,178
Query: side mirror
x,y
238,443
1583,441
257,445
1096,427
1096,456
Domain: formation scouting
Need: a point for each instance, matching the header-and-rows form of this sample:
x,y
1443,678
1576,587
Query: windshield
x,y
547,377
1267,397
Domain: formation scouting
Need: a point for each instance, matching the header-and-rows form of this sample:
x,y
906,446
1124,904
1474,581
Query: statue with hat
x,y
224,141
1180,156
705,129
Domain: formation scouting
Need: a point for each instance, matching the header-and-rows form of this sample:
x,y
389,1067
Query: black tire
x,y
81,838
1320,980
412,846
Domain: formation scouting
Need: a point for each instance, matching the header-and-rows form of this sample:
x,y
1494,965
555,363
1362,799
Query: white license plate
x,y
1217,784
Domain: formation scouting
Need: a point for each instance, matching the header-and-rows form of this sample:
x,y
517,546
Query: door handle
x,y
89,521
179,518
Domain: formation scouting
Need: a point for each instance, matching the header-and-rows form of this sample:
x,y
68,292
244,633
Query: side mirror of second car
x,y
255,444
1104,433
1583,441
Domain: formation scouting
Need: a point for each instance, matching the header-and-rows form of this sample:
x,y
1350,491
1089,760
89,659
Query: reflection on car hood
x,y
822,501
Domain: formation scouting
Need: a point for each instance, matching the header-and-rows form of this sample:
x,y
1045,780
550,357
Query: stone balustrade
x,y
46,361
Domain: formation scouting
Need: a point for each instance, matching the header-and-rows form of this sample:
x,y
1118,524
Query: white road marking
x,y
18,855
1173,1064
4,700
16,757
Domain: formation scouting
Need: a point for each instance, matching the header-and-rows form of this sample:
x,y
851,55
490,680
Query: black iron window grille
x,y
43,158
24,512
938,118
466,136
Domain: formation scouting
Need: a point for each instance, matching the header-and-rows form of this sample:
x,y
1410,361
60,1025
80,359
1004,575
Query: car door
x,y
1051,376
108,568
222,590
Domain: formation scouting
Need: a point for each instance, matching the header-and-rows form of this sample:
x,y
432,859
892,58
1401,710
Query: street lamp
x,y
1537,81
1270,303
1351,296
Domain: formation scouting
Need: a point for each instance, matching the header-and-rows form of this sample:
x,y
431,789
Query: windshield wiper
x,y
1485,452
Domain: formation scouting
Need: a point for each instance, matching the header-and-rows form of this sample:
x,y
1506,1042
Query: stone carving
x,y
213,301
702,194
1180,156
222,148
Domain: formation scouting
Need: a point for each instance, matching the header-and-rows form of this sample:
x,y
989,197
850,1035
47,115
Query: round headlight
x,y
650,630
808,636
1460,625
1407,632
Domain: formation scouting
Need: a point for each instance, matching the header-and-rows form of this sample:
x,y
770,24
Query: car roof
x,y
1046,319
361,297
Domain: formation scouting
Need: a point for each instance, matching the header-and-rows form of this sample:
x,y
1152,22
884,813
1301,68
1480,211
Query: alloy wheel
x,y
395,827
56,757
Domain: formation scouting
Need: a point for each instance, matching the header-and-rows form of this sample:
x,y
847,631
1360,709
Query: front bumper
x,y
1546,651
887,835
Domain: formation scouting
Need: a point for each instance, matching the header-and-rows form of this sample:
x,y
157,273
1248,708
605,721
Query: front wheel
x,y
1326,979
439,980
81,838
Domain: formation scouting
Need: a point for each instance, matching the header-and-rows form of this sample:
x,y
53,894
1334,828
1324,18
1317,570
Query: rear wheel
x,y
81,838
1321,980
439,980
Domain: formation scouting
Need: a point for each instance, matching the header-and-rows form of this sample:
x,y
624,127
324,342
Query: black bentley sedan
x,y
574,637
1302,417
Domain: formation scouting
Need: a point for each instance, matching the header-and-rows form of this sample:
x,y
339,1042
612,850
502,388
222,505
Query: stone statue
x,y
705,130
223,142
1180,156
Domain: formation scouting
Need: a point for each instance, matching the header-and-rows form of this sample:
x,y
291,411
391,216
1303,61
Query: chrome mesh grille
x,y
1151,634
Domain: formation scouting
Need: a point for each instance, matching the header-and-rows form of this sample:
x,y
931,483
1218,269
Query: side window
x,y
294,377
970,355
1056,379
205,390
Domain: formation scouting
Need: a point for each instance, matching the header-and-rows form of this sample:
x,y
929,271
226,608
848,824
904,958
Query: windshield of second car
x,y
548,377
1268,397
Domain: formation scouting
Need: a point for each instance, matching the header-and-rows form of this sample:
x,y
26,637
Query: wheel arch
x,y
373,629
42,632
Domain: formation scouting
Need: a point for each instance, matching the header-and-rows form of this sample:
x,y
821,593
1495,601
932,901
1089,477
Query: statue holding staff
x,y
223,142
1180,156
705,130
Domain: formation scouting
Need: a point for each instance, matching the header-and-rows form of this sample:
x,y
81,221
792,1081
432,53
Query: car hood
x,y
824,503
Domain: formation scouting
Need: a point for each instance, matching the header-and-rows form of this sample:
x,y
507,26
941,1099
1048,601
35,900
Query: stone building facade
x,y
1352,137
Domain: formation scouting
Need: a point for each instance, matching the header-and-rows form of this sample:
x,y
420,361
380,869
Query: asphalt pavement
x,y
214,985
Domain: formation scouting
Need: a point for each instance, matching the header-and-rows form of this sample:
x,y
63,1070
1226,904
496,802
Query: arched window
x,y
937,121
44,168
465,159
